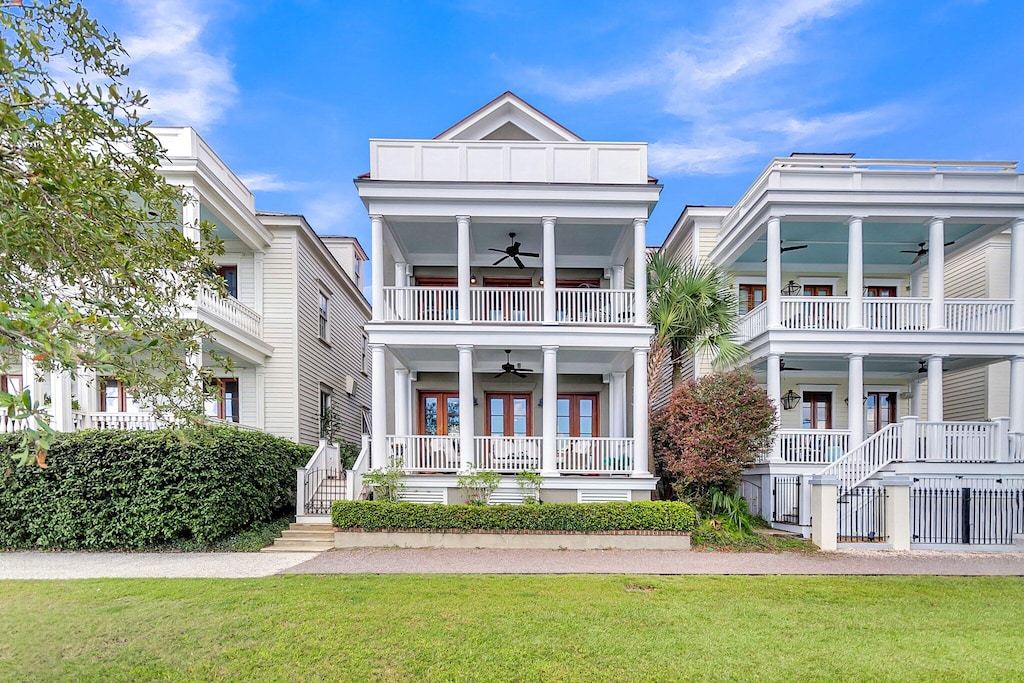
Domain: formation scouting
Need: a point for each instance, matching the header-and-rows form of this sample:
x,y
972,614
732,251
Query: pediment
x,y
508,117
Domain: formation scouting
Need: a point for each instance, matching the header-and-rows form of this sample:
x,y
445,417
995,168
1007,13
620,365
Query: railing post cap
x,y
897,482
824,480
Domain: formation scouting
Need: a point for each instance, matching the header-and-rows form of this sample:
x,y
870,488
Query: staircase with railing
x,y
321,482
878,450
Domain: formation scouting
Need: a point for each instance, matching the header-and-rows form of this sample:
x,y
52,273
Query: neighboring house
x,y
875,372
503,333
290,362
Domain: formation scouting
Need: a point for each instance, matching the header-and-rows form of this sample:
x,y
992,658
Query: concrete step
x,y
290,535
308,526
303,537
282,546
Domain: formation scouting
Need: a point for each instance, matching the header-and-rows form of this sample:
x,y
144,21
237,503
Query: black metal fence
x,y
860,515
786,500
323,487
965,516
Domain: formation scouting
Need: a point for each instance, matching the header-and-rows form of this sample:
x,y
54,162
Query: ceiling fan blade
x,y
500,251
800,246
519,374
917,258
518,262
909,251
500,260
500,374
528,253
949,243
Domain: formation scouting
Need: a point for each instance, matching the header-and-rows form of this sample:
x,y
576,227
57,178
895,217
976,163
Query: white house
x,y
883,316
505,334
291,322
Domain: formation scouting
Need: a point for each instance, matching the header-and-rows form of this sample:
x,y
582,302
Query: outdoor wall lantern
x,y
790,400
791,289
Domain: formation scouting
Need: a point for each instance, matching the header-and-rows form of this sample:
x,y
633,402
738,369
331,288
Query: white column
x,y
915,398
824,493
1017,274
190,214
855,272
641,435
400,274
464,274
377,268
855,412
917,282
773,376
257,281
617,404
1016,395
897,511
640,277
550,273
934,387
401,301
60,402
466,410
618,277
403,404
549,389
378,408
261,397
936,280
773,272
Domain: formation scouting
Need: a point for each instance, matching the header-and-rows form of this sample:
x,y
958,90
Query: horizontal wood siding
x,y
279,330
965,395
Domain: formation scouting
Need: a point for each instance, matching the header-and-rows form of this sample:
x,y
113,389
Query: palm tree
x,y
693,309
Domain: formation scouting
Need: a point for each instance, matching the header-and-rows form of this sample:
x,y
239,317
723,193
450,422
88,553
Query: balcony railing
x,y
507,454
604,455
231,310
812,445
901,314
9,424
121,421
510,305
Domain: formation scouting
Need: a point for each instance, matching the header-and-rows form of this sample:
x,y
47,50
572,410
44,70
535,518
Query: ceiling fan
x,y
921,250
512,252
783,250
924,366
783,368
507,368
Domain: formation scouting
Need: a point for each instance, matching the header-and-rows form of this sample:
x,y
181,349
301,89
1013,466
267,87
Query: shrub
x,y
478,485
709,431
385,482
647,515
129,490
529,484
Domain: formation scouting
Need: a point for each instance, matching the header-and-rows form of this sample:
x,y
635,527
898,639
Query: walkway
x,y
36,565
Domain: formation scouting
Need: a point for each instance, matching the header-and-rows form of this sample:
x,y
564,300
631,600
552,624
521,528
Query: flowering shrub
x,y
709,431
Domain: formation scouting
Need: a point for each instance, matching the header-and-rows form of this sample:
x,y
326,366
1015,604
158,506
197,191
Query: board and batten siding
x,y
280,331
328,363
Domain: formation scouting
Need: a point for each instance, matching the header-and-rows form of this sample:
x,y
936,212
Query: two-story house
x,y
508,332
882,314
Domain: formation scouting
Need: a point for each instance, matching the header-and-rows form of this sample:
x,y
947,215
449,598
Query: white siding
x,y
279,330
964,395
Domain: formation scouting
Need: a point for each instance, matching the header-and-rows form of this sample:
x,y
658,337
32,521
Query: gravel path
x,y
39,565
479,561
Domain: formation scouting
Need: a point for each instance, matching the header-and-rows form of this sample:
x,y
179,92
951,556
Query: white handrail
x,y
896,313
753,323
599,454
815,312
421,304
955,441
354,476
1016,447
124,421
877,451
507,304
9,425
813,445
595,306
510,454
232,310
978,315
419,452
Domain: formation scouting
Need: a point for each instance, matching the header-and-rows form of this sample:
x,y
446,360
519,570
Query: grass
x,y
483,628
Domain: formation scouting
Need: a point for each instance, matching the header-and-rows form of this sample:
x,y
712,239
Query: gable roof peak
x,y
509,117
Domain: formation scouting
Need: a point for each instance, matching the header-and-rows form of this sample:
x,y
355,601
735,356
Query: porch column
x,y
550,273
934,387
641,434
917,282
855,272
261,397
549,414
773,373
855,414
936,281
257,281
190,214
401,301
464,263
60,401
378,408
466,411
617,405
773,273
377,267
1017,394
915,398
403,407
618,277
1017,275
640,274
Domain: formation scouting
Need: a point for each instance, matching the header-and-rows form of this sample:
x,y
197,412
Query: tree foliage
x,y
709,431
95,262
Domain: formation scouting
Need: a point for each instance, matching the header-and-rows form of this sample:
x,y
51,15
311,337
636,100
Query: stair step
x,y
282,546
325,536
307,526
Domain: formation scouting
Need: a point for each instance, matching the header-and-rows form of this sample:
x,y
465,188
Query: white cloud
x,y
171,62
336,213
269,182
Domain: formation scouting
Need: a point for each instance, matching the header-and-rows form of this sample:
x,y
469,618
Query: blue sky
x,y
288,92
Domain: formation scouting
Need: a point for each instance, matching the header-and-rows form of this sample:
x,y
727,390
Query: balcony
x,y
903,314
510,305
217,308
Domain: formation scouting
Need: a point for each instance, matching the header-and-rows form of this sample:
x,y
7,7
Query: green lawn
x,y
479,628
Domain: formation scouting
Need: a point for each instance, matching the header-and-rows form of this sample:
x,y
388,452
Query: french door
x,y
439,413
879,411
508,415
816,411
751,296
578,415
817,290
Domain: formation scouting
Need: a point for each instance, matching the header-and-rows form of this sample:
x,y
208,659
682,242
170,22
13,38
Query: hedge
x,y
383,515
106,490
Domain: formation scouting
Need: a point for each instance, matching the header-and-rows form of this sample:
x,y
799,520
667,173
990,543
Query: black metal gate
x,y
786,500
966,516
860,515
323,487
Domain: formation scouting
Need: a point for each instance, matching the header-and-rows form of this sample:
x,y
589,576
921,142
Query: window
x,y
223,402
816,412
230,276
817,290
508,414
115,397
11,384
324,316
751,296
876,291
879,410
578,415
326,413
439,413
365,362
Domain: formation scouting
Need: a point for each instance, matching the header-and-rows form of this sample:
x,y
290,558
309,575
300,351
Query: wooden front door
x,y
816,411
509,415
439,413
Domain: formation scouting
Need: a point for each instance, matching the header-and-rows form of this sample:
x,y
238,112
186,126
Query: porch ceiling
x,y
570,361
827,243
905,367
